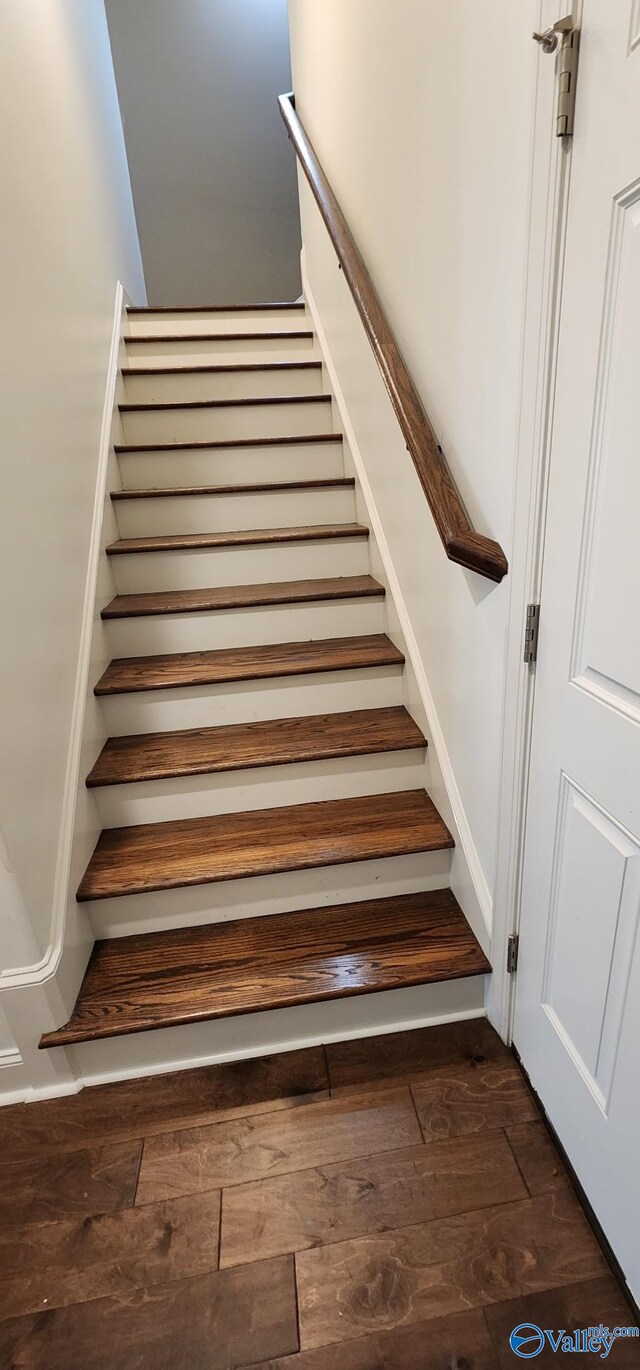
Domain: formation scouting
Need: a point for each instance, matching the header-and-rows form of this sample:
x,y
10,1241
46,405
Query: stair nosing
x,y
249,488
248,402
221,443
172,771
258,600
253,537
389,654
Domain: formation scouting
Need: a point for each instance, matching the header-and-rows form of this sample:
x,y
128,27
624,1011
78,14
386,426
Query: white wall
x,y
421,115
213,182
67,235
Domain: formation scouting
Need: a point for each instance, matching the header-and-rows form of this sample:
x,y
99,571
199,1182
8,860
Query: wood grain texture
x,y
400,1057
221,368
461,542
44,1189
154,1104
335,1203
243,746
222,443
254,402
210,1322
180,670
156,980
242,596
157,856
215,308
467,1100
53,1264
587,1304
155,338
461,1342
245,537
264,488
540,1165
373,1284
230,1153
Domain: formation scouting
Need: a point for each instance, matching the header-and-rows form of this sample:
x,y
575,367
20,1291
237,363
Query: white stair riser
x,y
223,385
216,321
218,351
232,421
264,787
232,465
139,518
203,632
197,570
210,706
229,900
256,1034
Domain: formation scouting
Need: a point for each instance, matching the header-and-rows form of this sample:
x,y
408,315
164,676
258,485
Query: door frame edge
x,y
550,168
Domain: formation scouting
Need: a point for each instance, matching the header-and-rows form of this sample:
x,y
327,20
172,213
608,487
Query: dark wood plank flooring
x,y
201,973
393,1203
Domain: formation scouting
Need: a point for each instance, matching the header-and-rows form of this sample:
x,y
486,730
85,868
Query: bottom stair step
x,y
135,984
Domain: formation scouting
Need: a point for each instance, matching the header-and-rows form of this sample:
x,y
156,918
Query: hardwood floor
x,y
393,1203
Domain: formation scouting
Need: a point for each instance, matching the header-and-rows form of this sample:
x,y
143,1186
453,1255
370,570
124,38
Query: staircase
x,y
261,764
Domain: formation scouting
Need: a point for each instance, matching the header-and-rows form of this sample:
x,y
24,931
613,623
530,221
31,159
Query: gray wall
x,y
211,168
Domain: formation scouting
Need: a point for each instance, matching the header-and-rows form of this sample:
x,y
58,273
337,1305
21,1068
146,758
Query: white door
x,y
577,1018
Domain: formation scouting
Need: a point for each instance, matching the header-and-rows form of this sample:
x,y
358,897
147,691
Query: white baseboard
x,y
476,884
262,1034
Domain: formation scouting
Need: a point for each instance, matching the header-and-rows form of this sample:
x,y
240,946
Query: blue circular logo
x,y
527,1340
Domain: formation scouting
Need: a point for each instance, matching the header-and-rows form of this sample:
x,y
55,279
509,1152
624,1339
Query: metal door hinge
x,y
513,947
565,32
531,630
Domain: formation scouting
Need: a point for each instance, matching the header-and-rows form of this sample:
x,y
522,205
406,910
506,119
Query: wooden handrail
x,y
461,542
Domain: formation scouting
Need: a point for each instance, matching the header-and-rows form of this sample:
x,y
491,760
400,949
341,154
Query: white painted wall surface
x,y
422,117
67,235
213,183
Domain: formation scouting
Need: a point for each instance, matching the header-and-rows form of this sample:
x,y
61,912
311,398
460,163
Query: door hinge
x,y
531,631
565,32
513,947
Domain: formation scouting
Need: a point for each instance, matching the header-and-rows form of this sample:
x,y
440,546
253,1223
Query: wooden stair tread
x,y
177,670
134,984
244,537
136,338
255,488
306,364
198,851
241,596
130,408
213,308
274,742
221,443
